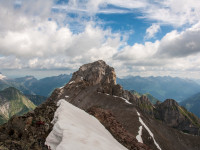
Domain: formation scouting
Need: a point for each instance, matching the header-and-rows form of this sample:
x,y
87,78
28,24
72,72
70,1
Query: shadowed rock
x,y
177,117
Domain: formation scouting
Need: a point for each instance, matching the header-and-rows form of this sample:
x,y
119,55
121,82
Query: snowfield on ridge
x,y
75,129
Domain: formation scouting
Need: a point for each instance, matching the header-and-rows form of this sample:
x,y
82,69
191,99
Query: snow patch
x,y
74,129
71,82
139,136
61,87
138,113
125,100
149,131
66,96
118,97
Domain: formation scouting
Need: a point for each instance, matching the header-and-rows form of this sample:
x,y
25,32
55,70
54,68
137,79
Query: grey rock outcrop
x,y
145,105
96,73
168,112
177,117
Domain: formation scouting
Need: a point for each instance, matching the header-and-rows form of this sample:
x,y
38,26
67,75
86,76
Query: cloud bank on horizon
x,y
136,37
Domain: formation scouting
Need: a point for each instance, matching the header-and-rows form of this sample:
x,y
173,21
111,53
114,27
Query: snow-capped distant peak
x,y
2,77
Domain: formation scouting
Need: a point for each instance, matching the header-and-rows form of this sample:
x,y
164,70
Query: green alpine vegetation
x,y
194,119
13,102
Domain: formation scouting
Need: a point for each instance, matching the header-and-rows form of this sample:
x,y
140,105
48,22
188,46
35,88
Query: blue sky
x,y
136,37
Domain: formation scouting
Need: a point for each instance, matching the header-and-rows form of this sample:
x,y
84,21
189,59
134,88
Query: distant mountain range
x,y
36,99
13,102
50,83
161,87
29,85
197,81
155,88
20,95
192,104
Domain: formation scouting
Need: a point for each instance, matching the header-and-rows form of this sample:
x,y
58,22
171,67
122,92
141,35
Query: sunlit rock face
x,y
96,73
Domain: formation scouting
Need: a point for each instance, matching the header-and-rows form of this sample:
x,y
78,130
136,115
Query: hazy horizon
x,y
40,74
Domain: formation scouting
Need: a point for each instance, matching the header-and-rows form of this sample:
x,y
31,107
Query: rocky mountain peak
x,y
95,73
177,117
9,92
170,102
145,105
144,98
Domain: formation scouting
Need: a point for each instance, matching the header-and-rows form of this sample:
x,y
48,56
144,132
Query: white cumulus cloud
x,y
152,30
30,39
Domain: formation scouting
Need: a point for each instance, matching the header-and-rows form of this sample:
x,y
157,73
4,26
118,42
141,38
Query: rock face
x,y
145,105
28,132
96,73
93,88
168,112
177,117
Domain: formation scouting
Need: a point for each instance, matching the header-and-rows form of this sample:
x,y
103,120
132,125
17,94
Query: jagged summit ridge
x,y
95,73
170,102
